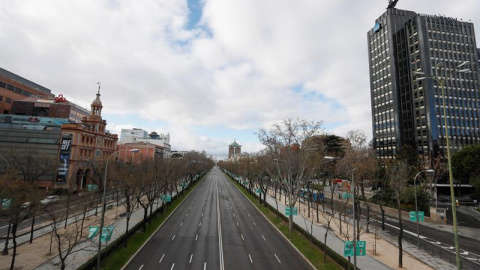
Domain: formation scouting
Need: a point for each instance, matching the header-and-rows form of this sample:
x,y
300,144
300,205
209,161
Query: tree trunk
x,y
383,217
290,223
14,240
325,245
31,229
5,250
145,212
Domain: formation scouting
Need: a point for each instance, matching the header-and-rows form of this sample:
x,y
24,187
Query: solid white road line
x,y
220,244
277,258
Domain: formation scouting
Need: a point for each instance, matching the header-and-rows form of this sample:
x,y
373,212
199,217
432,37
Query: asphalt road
x,y
216,227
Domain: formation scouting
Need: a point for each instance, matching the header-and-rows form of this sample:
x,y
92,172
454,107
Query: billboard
x,y
62,169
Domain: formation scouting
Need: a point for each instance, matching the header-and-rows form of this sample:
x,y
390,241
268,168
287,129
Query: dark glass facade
x,y
408,111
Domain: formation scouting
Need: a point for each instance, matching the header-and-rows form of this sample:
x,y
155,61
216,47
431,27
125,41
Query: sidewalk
x,y
386,256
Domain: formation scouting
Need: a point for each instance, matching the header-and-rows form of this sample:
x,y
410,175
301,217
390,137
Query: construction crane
x,y
392,3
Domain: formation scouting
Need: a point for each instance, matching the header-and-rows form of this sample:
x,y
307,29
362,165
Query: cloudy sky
x,y
206,71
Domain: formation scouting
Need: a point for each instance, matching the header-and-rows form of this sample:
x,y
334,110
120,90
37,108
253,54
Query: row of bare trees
x,y
295,163
135,185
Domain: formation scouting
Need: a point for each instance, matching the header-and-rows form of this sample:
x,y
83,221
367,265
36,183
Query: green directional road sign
x,y
257,190
169,198
347,195
421,216
107,233
92,187
291,211
92,231
361,248
348,248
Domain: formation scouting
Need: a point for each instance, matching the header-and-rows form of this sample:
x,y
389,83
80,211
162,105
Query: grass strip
x,y
313,253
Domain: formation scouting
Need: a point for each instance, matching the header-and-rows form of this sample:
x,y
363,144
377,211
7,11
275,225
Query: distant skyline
x,y
206,72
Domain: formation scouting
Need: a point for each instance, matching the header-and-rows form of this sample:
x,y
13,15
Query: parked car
x,y
25,205
50,200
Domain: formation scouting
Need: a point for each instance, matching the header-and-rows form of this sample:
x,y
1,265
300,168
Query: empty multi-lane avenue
x,y
216,227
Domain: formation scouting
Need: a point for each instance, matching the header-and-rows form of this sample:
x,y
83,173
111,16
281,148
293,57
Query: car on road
x,y
50,200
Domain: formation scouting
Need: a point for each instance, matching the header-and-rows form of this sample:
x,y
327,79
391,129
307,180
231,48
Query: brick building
x,y
84,148
14,87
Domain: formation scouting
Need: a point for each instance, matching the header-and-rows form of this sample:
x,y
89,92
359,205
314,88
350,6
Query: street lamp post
x,y
416,208
102,219
354,217
441,81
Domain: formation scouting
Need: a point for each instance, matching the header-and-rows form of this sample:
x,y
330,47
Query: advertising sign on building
x,y
62,170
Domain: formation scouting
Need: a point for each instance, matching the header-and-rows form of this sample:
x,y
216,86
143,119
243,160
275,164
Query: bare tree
x,y
398,176
287,143
125,180
328,217
68,238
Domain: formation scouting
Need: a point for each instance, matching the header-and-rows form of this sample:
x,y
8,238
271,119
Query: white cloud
x,y
239,76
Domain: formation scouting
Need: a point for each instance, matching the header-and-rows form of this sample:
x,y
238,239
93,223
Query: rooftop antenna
x,y
99,86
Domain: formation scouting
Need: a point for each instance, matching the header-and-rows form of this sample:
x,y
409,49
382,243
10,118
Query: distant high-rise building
x,y
234,150
407,111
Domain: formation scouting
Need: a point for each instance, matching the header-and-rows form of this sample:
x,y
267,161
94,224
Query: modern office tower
x,y
407,110
234,150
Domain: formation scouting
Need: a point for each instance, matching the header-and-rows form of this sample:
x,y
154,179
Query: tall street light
x,y
441,79
103,203
416,208
354,217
